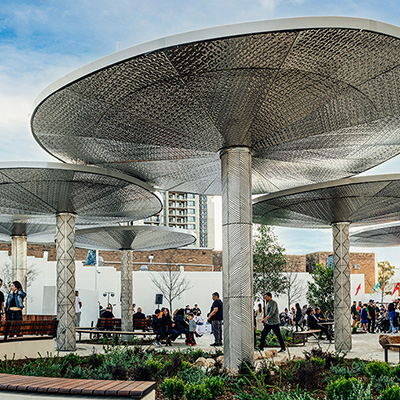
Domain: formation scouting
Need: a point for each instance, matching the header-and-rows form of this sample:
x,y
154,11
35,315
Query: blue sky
x,y
41,41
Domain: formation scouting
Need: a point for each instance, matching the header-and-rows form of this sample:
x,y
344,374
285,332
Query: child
x,y
192,329
364,318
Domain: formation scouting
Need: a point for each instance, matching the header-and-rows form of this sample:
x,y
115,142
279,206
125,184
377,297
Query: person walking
x,y
78,307
15,302
271,322
215,318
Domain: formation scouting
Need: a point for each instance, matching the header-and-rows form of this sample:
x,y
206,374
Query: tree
x,y
385,272
269,262
6,275
171,284
294,287
320,290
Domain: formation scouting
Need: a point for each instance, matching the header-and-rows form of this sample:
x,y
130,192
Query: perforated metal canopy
x,y
386,236
136,237
38,231
32,193
361,200
315,99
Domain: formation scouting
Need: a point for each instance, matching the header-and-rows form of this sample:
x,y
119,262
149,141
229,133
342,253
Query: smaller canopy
x,y
36,192
361,200
385,236
35,231
133,237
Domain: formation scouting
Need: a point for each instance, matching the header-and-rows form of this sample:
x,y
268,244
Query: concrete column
x,y
65,247
341,286
126,292
19,250
237,256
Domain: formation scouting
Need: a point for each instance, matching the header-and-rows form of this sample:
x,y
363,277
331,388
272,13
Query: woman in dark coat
x,y
179,326
165,325
298,318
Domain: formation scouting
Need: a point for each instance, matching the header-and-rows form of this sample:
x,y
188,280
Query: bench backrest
x,y
141,323
36,317
109,323
34,328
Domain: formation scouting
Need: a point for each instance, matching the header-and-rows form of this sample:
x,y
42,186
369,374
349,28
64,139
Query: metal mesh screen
x,y
137,237
377,237
357,200
32,195
314,105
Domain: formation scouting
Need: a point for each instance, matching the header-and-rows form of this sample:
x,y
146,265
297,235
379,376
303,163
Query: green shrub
x,y
392,393
77,372
292,395
341,371
359,367
348,389
173,388
197,391
215,385
155,366
378,368
396,371
383,382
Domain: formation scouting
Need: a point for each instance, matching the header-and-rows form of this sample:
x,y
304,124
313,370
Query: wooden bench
x,y
144,324
387,347
19,330
112,334
304,334
109,324
37,384
36,317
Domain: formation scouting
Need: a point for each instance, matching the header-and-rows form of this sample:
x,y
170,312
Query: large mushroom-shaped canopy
x,y
385,236
134,237
32,193
360,200
314,98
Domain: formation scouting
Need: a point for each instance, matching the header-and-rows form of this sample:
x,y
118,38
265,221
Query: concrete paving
x,y
365,346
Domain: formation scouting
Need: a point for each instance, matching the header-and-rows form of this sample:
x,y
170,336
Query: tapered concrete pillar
x,y
19,250
237,259
126,292
341,286
65,246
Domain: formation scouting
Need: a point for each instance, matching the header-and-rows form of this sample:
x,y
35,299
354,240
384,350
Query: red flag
x,y
395,288
358,289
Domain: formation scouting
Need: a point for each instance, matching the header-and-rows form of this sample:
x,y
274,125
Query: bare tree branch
x,y
171,284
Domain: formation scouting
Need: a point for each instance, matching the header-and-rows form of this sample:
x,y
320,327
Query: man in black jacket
x,y
312,323
215,318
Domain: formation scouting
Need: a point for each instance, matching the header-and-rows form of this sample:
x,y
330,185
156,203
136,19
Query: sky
x,y
41,41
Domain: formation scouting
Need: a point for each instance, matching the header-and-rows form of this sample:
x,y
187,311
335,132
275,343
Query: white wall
x,y
202,285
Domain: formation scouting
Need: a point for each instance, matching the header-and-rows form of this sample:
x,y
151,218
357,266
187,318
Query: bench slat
x,y
75,386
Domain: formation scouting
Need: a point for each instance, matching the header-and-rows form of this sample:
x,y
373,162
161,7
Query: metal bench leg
x,y
386,354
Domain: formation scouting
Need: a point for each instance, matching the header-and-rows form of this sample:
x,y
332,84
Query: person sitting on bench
x,y
313,324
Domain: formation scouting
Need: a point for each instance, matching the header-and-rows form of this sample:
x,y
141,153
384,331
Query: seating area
x,y
87,387
25,330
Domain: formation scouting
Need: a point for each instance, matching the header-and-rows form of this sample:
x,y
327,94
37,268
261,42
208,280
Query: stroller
x,y
383,323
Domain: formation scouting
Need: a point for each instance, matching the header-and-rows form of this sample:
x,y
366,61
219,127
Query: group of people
x,y
184,321
366,313
168,328
11,309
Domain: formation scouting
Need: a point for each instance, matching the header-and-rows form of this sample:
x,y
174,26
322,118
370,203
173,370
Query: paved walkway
x,y
365,346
